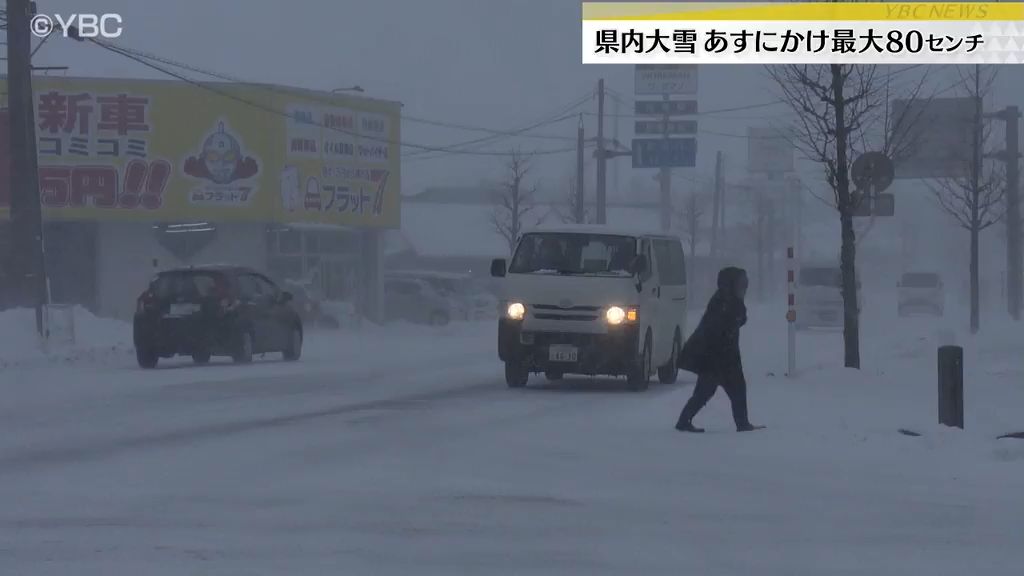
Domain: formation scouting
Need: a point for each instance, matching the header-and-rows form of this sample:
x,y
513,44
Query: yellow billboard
x,y
167,151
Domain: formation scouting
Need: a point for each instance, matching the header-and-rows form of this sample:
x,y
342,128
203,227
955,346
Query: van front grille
x,y
569,309
570,317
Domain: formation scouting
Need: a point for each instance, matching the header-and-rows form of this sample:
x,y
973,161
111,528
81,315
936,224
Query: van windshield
x,y
921,280
820,277
574,253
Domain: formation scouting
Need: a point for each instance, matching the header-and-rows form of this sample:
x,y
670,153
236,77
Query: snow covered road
x,y
404,453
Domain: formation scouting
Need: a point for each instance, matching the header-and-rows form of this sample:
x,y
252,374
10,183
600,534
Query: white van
x,y
592,300
819,296
921,292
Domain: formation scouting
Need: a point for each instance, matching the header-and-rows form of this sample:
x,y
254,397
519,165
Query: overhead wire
x,y
269,109
523,132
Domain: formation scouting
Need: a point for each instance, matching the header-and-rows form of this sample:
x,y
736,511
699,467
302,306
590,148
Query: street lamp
x,y
349,89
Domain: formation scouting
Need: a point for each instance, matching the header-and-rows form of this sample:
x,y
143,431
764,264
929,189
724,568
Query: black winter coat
x,y
715,344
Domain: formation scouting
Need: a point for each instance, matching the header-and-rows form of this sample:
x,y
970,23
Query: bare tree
x,y
691,217
514,200
975,200
567,213
840,109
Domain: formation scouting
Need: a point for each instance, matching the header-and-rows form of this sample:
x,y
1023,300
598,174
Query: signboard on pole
x,y
933,137
672,127
664,152
769,150
666,107
665,79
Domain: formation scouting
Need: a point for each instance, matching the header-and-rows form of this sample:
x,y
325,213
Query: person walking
x,y
713,352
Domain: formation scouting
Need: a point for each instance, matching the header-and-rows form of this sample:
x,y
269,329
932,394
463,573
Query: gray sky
x,y
486,63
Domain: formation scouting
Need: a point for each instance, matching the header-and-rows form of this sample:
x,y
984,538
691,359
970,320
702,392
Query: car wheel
x,y
640,374
244,350
668,373
516,375
202,357
553,375
294,350
146,358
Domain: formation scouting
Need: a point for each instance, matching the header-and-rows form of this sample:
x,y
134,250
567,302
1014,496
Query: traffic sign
x,y
666,107
648,127
664,152
660,79
872,170
884,205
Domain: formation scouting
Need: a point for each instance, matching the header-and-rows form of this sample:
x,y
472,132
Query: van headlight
x,y
516,311
616,315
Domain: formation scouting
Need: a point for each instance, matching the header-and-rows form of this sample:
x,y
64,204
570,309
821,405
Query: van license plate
x,y
562,353
183,309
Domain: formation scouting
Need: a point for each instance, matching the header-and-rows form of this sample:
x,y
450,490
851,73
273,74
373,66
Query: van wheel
x,y
146,359
516,375
640,374
553,375
668,373
243,351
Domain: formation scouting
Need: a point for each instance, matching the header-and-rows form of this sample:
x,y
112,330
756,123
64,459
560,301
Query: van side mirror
x,y
286,297
639,265
498,268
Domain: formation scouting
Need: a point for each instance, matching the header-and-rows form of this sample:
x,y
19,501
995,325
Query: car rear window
x,y
921,280
188,285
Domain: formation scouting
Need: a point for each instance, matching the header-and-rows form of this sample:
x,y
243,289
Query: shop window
x,y
289,242
312,243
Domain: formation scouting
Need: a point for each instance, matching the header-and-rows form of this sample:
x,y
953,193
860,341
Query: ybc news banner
x,y
803,33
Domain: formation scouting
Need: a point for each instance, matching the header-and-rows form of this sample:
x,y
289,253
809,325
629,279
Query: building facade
x,y
141,175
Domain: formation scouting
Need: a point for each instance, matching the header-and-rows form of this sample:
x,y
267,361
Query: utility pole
x,y
26,210
616,173
601,159
580,196
666,175
716,199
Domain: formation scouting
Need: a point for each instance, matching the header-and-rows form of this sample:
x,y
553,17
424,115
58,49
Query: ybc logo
x,y
78,25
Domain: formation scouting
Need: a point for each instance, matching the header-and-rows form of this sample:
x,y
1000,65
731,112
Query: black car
x,y
215,311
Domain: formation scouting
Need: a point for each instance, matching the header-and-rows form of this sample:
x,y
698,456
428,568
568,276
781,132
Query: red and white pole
x,y
791,312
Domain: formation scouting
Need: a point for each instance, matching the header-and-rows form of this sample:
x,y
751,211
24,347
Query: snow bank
x,y
96,340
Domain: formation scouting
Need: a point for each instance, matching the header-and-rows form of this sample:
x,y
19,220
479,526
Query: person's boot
x,y
748,427
687,426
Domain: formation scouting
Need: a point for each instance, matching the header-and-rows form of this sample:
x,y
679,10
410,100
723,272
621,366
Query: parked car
x,y
819,296
308,302
921,293
592,300
416,301
215,311
469,298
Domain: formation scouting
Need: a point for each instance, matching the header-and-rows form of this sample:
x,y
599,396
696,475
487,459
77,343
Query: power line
x,y
271,110
229,78
479,143
700,113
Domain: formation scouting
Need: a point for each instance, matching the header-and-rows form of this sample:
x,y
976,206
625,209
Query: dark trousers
x,y
735,386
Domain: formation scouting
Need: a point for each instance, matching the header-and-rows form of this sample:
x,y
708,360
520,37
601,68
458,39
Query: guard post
x,y
951,386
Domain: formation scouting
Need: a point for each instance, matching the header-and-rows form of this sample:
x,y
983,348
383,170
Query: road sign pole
x,y
666,176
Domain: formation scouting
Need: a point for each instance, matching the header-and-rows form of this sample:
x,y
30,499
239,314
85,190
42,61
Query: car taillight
x,y
223,295
146,302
